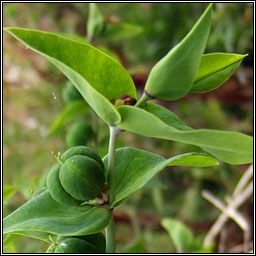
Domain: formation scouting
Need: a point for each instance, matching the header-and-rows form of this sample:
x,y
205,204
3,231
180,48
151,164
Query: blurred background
x,y
41,112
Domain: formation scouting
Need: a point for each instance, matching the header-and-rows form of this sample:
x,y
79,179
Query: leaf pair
x,y
184,69
42,215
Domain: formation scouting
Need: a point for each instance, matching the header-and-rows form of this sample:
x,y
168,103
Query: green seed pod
x,y
96,241
75,245
84,151
79,134
70,93
80,177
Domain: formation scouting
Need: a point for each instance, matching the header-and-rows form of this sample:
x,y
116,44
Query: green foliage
x,y
98,78
182,237
43,216
135,167
230,147
79,134
95,243
8,191
172,77
77,204
121,31
70,93
95,21
68,113
214,70
179,233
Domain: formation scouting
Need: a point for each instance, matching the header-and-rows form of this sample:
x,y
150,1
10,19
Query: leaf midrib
x,y
219,70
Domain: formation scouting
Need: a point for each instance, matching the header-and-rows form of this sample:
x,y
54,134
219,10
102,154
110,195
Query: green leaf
x,y
36,235
166,115
121,31
109,52
42,214
135,167
9,248
8,191
172,77
69,112
95,21
180,234
214,70
230,147
97,76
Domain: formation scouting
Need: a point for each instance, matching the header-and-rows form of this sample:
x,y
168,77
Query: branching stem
x,y
142,100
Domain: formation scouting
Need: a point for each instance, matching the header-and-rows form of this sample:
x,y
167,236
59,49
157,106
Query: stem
x,y
114,131
110,236
110,229
142,100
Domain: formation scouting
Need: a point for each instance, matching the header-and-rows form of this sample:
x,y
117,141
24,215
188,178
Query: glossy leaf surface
x,y
135,167
44,215
230,147
97,76
214,70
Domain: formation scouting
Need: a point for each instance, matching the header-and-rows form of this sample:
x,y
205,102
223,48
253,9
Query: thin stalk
x,y
142,100
110,236
110,229
114,131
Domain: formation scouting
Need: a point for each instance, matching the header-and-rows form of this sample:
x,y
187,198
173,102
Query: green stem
x,y
142,100
110,236
110,229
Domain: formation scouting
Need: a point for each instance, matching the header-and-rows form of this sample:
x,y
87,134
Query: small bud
x,y
130,101
125,96
119,102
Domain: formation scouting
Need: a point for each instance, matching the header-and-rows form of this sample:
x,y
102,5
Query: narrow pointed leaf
x,y
214,70
172,77
230,147
95,21
135,167
44,215
166,116
97,76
